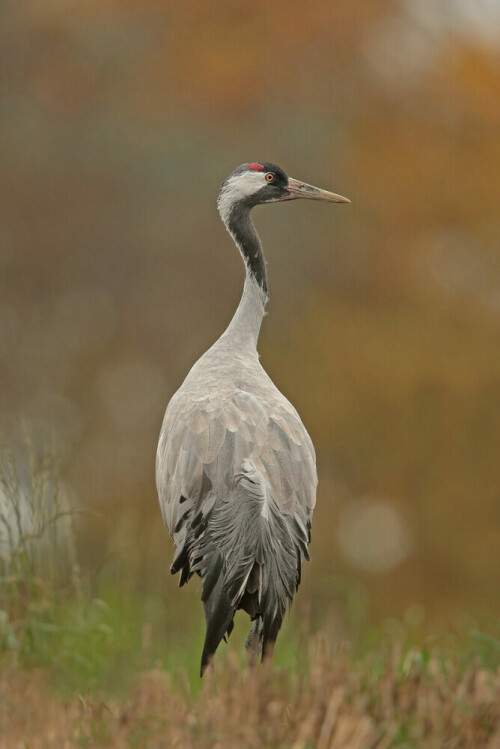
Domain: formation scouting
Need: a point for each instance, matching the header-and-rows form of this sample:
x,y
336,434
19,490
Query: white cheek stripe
x,y
237,188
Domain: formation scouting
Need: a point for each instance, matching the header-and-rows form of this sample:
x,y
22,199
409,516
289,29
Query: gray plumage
x,y
236,471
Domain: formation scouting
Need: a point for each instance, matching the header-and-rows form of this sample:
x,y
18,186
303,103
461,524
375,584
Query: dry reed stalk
x,y
333,705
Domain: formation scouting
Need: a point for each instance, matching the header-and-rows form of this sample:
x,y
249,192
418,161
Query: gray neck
x,y
243,330
236,218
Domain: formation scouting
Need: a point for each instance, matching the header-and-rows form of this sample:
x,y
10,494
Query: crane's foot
x,y
253,643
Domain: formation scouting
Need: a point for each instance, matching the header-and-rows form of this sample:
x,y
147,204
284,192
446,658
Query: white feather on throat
x,y
237,188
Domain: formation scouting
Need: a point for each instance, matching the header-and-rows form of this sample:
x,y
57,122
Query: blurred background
x,y
118,122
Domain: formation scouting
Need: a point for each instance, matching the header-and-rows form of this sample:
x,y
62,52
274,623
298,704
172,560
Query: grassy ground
x,y
87,664
411,699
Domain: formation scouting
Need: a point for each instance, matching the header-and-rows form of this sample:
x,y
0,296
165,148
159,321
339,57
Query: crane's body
x,y
236,471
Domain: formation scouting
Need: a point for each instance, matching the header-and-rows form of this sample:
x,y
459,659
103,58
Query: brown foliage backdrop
x,y
119,119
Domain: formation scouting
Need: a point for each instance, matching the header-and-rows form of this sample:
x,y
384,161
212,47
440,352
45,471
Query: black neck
x,y
246,237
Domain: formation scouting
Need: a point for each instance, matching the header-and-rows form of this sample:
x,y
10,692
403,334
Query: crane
x,y
236,468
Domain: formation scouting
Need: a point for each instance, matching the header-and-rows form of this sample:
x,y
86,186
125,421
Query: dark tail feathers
x,y
249,556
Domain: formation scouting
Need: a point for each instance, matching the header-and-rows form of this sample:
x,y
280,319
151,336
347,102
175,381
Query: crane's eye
x,y
269,177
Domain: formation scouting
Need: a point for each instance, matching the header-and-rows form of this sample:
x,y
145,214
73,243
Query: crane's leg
x,y
253,643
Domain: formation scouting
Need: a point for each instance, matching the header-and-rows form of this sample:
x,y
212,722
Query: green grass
x,y
103,643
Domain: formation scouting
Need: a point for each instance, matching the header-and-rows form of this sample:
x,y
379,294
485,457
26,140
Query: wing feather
x,y
208,442
204,442
198,420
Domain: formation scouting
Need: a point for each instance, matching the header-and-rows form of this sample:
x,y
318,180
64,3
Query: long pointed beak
x,y
303,190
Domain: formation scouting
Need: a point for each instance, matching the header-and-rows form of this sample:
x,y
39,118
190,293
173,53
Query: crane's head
x,y
255,183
